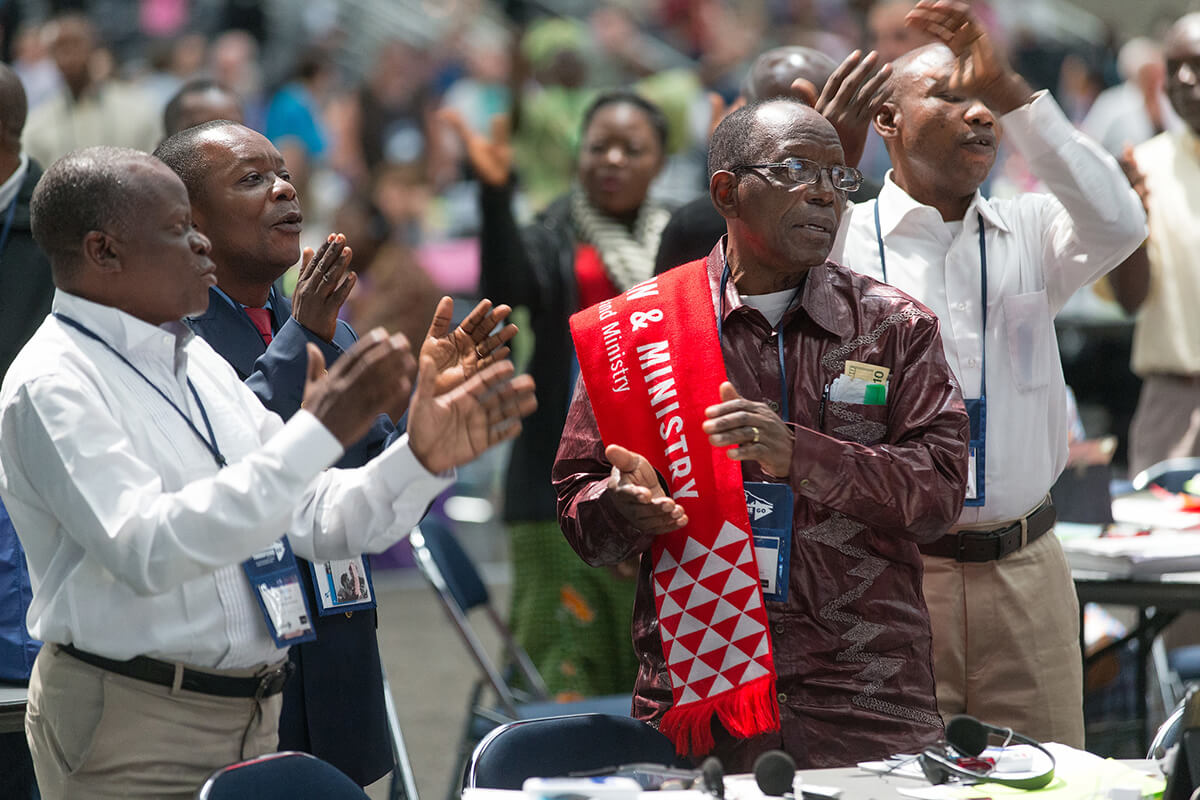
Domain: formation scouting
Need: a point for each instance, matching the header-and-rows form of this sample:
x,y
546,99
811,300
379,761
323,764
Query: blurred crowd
x,y
350,92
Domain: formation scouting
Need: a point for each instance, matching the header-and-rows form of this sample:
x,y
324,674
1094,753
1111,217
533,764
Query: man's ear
x,y
887,121
722,188
101,251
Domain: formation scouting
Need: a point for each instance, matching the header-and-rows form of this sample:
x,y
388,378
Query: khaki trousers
x,y
1006,641
1166,423
96,734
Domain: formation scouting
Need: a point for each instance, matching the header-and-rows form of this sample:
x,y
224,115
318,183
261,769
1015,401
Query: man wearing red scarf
x,y
828,392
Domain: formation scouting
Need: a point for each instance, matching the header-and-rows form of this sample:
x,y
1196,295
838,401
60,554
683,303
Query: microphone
x,y
712,777
774,772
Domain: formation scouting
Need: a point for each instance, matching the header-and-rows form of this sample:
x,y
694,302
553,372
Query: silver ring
x,y
478,354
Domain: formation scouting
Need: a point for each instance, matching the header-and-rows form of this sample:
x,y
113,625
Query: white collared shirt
x,y
1040,249
133,536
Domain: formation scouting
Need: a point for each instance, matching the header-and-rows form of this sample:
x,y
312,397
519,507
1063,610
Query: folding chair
x,y
1170,474
280,776
458,584
558,746
404,784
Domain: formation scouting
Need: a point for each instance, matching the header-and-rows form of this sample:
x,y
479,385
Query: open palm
x,y
471,346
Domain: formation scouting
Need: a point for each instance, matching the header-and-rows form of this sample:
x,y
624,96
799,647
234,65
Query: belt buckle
x,y
272,683
978,538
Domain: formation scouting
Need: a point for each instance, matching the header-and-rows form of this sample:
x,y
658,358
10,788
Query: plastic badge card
x,y
275,576
343,585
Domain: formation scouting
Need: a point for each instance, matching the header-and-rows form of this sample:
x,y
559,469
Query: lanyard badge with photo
x,y
976,407
343,586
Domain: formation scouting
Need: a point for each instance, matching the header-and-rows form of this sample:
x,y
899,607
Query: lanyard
x,y
983,290
783,384
8,220
210,441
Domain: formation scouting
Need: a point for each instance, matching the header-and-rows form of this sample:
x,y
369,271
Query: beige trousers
x,y
1166,423
1006,641
95,734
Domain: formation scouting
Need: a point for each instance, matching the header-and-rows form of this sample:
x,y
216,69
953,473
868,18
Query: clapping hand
x,y
373,377
325,283
460,353
757,432
981,70
449,429
638,494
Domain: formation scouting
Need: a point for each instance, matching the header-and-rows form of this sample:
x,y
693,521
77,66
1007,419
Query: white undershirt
x,y
772,306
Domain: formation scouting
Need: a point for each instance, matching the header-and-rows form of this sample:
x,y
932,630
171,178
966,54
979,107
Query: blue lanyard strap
x,y
983,279
784,408
210,441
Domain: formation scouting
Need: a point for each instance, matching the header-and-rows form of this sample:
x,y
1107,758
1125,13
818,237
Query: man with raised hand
x,y
766,391
1000,594
153,491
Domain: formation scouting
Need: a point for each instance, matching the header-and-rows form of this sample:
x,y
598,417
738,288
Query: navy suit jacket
x,y
333,705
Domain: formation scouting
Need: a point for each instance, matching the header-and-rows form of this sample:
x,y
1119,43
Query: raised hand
x,y
638,495
757,432
981,70
718,110
448,430
470,347
852,95
324,284
491,159
373,377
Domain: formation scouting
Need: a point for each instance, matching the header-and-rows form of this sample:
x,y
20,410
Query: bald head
x,y
748,134
95,189
182,152
13,107
774,72
199,101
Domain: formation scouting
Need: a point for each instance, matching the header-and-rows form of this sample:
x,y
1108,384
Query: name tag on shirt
x,y
770,509
275,577
343,586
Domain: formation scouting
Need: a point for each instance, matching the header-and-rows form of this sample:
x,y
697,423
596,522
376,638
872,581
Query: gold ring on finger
x,y
755,431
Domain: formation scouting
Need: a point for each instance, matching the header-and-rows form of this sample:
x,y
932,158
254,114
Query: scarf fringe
x,y
745,711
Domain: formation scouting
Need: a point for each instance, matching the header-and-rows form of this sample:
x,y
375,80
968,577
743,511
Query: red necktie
x,y
261,318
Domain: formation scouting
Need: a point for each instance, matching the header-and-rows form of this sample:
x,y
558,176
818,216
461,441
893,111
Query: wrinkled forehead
x,y
228,146
788,129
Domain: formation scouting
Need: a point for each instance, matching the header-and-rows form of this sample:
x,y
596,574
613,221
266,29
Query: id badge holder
x,y
770,509
343,585
977,411
275,578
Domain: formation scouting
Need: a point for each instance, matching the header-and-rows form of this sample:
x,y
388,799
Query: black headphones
x,y
968,736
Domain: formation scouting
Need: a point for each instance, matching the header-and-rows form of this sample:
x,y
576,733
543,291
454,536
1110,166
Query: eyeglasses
x,y
801,170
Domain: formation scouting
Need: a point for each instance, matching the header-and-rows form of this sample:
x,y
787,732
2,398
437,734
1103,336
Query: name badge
x,y
343,586
976,463
770,509
275,577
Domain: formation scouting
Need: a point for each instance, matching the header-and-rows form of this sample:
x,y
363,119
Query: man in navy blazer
x,y
242,199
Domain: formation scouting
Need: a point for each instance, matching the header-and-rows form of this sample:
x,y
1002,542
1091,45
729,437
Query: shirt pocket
x,y
1030,347
853,422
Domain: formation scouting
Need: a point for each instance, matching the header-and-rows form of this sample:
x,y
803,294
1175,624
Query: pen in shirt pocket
x,y
821,408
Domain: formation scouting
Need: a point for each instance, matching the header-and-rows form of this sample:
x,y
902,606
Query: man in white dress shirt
x,y
141,473
1000,595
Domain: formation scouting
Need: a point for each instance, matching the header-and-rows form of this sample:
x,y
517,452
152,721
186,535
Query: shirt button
x,y
771,404
971,362
779,627
782,698
804,481
961,306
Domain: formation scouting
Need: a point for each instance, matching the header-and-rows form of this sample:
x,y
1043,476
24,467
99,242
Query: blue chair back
x,y
462,578
280,776
557,746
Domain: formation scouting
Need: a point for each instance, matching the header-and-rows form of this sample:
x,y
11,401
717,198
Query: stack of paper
x,y
1136,556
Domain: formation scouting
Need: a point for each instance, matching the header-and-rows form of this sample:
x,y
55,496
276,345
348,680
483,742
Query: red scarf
x,y
652,363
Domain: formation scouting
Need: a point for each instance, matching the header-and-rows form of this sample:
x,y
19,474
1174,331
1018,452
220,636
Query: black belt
x,y
980,546
152,670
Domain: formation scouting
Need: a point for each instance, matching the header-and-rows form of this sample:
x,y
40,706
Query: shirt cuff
x,y
305,445
1038,127
402,473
